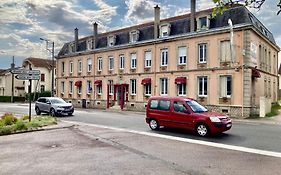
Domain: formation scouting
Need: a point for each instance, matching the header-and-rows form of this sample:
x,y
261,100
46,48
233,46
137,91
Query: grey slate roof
x,y
179,25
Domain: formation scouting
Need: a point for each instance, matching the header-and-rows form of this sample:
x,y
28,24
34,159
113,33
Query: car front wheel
x,y
202,130
37,110
153,124
53,112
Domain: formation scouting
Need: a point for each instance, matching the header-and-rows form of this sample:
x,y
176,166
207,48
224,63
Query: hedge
x,y
8,99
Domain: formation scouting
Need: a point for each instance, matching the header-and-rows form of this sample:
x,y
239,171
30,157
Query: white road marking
x,y
199,142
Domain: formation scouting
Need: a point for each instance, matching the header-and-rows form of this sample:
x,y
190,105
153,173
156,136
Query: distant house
x,y
45,67
6,84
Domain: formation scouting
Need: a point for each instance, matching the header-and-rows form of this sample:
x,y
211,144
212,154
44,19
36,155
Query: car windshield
x,y
196,107
57,100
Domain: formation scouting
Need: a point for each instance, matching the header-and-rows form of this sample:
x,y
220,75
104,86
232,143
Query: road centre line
x,y
199,142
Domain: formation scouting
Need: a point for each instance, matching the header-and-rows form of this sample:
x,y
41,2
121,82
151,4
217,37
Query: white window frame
x,y
89,44
134,36
62,87
224,49
199,25
110,63
80,65
163,86
121,61
79,90
90,65
62,67
111,40
203,78
110,89
147,89
182,55
147,59
70,90
224,82
99,89
164,57
133,60
71,67
204,52
89,87
165,30
133,87
99,65
181,89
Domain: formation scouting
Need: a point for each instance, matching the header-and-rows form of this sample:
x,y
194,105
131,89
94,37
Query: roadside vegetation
x,y
274,109
10,124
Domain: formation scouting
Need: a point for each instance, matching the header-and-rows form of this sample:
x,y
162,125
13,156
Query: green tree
x,y
222,5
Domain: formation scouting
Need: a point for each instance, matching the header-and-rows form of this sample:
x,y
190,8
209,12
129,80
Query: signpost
x,y
24,74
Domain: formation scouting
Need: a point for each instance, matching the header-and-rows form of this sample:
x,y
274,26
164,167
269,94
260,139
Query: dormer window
x,y
71,47
134,36
203,23
164,30
89,44
111,40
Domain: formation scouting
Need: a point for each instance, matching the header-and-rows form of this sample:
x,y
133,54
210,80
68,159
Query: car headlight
x,y
60,108
215,119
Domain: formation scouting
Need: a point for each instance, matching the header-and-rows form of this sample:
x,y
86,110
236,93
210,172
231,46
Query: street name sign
x,y
23,71
27,77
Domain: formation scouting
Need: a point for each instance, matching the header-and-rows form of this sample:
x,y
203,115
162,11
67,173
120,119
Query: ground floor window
x,y
181,88
79,89
89,87
70,87
147,89
202,86
42,88
99,89
225,86
133,87
163,86
110,90
62,87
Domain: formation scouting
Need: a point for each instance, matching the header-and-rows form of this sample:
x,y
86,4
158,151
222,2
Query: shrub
x,y
6,130
9,119
20,125
25,117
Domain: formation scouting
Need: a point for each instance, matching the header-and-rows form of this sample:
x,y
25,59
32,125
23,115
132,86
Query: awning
x,y
78,83
180,80
98,82
255,73
146,81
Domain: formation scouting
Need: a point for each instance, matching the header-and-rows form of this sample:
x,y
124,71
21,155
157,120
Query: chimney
x,y
76,39
192,15
156,21
95,35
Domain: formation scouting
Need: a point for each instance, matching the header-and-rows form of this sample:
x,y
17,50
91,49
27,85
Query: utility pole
x,y
13,79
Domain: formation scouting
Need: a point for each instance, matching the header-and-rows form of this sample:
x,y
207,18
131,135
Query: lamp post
x,y
53,62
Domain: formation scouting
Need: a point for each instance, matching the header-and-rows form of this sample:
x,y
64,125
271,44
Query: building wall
x,y
6,86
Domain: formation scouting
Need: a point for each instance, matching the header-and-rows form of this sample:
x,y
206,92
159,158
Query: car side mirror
x,y
187,111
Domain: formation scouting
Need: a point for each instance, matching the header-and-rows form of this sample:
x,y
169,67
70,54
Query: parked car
x,y
186,113
54,106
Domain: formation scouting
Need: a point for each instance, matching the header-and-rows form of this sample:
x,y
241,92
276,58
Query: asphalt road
x,y
250,135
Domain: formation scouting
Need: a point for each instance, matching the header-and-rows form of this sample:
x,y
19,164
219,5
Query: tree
x,y
222,5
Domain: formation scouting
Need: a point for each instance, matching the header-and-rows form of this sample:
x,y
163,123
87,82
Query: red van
x,y
186,113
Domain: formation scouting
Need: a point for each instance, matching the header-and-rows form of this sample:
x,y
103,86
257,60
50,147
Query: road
x,y
249,135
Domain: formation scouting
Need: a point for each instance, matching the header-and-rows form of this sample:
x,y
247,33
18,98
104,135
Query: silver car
x,y
54,106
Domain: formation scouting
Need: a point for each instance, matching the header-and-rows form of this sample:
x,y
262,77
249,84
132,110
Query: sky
x,y
24,22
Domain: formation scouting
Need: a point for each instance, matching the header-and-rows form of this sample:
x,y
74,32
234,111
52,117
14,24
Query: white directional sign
x,y
24,71
27,77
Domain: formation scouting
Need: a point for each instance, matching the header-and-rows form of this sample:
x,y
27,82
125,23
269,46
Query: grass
x,y
10,124
274,109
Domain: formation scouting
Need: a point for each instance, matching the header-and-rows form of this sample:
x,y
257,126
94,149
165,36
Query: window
x,y
62,67
164,30
147,59
147,89
164,57
133,86
225,86
225,52
70,87
181,88
42,78
110,63
71,67
179,107
133,61
110,83
202,23
62,87
202,86
79,89
164,105
153,104
111,40
90,44
99,89
80,66
121,62
163,86
99,64
202,52
182,55
89,87
89,65
72,47
134,36
42,88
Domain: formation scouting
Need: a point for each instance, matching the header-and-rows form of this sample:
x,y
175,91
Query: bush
x,y
6,130
8,99
9,119
20,125
25,117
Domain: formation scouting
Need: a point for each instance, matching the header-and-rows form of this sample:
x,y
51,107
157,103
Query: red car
x,y
186,113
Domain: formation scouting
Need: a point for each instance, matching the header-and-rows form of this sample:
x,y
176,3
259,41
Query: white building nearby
x,y
45,68
6,84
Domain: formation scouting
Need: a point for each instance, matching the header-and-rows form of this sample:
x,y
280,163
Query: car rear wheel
x,y
153,124
202,130
37,110
52,112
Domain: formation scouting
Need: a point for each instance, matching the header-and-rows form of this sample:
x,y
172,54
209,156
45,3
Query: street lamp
x,y
53,62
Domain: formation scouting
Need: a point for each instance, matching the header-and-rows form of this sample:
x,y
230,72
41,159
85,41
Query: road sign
x,y
24,71
27,77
